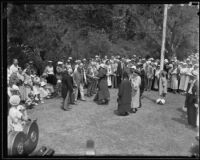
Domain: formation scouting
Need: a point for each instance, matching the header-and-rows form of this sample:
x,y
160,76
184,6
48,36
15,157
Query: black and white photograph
x,y
101,79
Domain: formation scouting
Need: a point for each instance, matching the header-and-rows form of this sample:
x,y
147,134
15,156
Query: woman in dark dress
x,y
124,96
103,95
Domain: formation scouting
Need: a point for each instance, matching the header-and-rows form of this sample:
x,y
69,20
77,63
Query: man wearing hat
x,y
79,79
103,95
119,73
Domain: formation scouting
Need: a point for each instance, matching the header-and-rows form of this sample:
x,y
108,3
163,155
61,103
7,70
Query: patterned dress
x,y
135,83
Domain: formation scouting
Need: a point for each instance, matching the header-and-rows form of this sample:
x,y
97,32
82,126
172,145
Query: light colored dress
x,y
174,79
109,72
135,83
182,79
27,85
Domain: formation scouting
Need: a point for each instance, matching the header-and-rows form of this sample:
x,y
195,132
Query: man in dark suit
x,y
119,72
67,89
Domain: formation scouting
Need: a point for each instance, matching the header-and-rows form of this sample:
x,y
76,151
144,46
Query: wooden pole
x,y
163,37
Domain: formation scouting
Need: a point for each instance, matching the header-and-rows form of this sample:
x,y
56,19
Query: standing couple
x,y
129,93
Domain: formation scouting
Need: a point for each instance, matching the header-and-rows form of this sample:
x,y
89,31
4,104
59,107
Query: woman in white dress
x,y
135,83
187,75
109,73
174,79
183,71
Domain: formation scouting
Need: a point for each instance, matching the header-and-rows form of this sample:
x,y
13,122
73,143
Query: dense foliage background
x,y
41,32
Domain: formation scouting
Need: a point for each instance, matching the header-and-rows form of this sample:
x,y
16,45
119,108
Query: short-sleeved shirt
x,y
13,69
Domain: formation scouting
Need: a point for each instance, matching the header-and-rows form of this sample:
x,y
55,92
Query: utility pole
x,y
163,37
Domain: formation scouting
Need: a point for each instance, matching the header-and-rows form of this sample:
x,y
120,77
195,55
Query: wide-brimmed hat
x,y
50,61
20,108
43,84
133,67
15,88
59,62
102,65
14,100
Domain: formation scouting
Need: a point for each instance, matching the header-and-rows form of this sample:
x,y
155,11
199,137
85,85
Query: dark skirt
x,y
192,115
51,79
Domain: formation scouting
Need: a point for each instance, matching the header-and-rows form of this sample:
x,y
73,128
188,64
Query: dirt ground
x,y
155,130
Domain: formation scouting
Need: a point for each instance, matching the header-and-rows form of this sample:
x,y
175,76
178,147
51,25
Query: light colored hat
x,y
96,56
166,60
128,60
43,84
84,59
148,62
70,58
20,107
50,61
14,100
170,65
14,87
102,65
59,62
133,67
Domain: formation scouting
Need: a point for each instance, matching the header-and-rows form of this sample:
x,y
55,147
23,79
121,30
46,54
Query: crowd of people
x,y
73,80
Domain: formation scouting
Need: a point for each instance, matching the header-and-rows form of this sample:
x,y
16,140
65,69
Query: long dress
x,y
135,83
174,80
109,72
156,79
182,78
124,97
27,85
103,92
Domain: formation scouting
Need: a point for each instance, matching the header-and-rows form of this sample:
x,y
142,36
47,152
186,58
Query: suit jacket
x,y
119,69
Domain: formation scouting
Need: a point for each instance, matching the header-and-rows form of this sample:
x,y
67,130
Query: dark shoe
x,y
132,111
82,100
124,114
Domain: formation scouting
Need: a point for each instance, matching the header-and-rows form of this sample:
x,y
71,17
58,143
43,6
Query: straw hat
x,y
43,84
14,87
102,65
59,62
133,67
20,108
14,100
